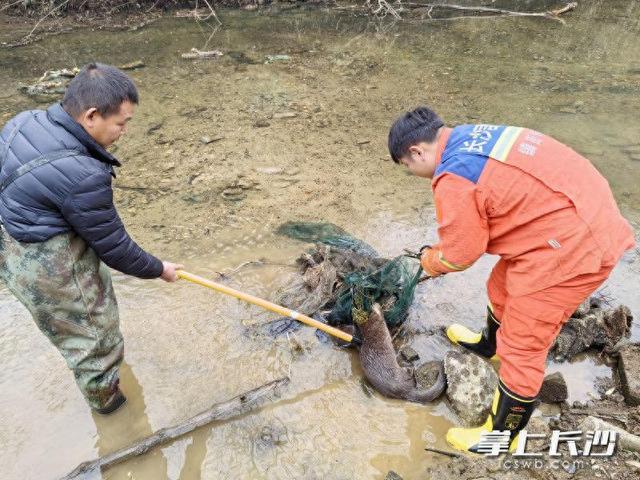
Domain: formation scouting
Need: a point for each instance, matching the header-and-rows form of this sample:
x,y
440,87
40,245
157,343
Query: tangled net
x,y
343,275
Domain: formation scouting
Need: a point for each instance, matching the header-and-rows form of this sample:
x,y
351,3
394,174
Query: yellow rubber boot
x,y
509,412
483,343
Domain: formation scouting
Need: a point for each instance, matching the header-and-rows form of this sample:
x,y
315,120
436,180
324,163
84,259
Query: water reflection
x,y
128,424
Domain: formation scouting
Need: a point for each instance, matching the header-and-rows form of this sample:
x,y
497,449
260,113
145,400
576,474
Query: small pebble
x,y
285,115
409,354
269,170
207,140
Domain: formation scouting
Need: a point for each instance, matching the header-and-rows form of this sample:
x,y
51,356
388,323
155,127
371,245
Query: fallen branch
x,y
36,37
195,53
8,6
551,14
220,411
201,14
382,9
134,188
212,14
48,13
626,441
29,39
227,275
197,13
590,413
443,452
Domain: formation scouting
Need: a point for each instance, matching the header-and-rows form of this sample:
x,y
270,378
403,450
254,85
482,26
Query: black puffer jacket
x,y
68,193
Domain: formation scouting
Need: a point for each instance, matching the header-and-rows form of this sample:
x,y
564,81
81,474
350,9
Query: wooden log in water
x,y
220,411
626,440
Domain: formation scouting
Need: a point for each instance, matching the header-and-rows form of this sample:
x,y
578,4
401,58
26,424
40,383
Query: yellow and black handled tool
x,y
286,312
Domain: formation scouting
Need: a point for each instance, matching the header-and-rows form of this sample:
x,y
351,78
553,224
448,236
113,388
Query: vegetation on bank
x,y
36,8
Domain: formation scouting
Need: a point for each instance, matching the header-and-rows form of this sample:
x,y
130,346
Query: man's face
x,y
107,129
421,159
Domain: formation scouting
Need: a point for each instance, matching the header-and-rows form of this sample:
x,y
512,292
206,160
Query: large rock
x,y
472,381
554,389
629,370
600,329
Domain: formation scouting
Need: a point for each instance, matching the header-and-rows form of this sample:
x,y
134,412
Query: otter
x,y
378,359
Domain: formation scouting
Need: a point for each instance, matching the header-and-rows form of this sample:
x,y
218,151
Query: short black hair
x,y
99,86
419,125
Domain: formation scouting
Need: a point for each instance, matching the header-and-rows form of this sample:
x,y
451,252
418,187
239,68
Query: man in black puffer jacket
x,y
59,224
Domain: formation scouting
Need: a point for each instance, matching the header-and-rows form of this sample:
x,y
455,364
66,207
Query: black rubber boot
x,y
482,343
509,412
115,402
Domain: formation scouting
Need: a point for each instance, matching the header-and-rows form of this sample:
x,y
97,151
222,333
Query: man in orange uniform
x,y
550,216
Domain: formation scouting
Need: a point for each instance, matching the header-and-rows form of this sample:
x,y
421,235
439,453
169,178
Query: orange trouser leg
x,y
529,325
496,289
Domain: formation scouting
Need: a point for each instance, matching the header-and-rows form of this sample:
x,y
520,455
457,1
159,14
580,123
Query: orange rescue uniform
x,y
550,216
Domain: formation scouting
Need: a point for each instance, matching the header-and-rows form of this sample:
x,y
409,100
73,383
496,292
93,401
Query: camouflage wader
x,y
70,296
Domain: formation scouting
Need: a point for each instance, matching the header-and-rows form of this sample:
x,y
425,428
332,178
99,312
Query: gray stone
x,y
277,58
554,389
618,323
271,435
132,65
282,115
583,308
154,127
629,370
269,170
409,354
600,328
206,140
427,374
537,425
472,382
617,397
392,476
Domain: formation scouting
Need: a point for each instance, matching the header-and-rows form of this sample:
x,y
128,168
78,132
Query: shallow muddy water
x,y
321,155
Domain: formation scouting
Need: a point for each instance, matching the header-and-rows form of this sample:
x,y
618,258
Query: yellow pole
x,y
285,312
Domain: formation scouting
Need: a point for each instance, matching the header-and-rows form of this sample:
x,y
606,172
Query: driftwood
x,y
220,411
443,452
195,53
381,8
626,441
200,14
94,24
499,11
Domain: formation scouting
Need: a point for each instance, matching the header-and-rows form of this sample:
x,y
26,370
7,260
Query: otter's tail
x,y
431,393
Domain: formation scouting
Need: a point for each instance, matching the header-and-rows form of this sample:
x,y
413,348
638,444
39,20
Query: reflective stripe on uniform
x,y
504,144
449,265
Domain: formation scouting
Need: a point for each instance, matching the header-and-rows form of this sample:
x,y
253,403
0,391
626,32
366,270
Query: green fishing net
x,y
327,234
362,276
